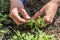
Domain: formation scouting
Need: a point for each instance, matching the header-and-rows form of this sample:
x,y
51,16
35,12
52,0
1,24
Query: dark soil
x,y
32,6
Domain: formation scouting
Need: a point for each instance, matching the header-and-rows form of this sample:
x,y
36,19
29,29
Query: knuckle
x,y
48,19
14,10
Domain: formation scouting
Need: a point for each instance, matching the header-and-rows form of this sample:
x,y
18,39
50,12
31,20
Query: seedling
x,y
39,35
36,23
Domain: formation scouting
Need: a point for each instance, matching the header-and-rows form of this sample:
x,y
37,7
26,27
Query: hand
x,y
16,6
49,11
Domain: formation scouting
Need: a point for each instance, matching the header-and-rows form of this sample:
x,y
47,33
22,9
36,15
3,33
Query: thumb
x,y
40,12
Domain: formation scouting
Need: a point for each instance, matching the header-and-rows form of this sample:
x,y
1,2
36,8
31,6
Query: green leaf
x,y
1,25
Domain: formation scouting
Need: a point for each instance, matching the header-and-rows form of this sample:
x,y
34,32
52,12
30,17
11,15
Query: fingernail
x,y
27,17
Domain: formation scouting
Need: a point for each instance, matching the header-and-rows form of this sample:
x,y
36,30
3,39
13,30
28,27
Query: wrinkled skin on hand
x,y
16,6
58,1
49,11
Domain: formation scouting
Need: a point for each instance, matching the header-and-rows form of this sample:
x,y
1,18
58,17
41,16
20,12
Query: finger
x,y
16,17
24,13
17,22
40,12
48,19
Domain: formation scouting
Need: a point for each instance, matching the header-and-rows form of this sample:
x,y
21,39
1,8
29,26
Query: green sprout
x,y
36,23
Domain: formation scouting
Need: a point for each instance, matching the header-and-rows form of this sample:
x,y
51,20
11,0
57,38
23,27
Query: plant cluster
x,y
28,36
4,5
36,35
18,35
3,17
36,23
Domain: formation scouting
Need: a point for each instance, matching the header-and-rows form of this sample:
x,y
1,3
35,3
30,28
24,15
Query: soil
x,y
32,6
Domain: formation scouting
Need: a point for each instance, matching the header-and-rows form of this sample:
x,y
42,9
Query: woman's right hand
x,y
49,11
16,6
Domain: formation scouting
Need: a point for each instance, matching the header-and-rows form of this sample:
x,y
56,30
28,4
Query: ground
x,y
54,28
32,6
